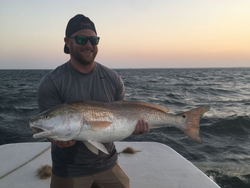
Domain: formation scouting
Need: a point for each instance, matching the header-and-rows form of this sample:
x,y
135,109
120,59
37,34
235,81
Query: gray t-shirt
x,y
65,84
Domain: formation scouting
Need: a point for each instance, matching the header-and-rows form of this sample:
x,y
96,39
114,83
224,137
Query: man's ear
x,y
66,40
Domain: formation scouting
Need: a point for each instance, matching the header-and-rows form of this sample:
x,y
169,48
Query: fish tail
x,y
192,123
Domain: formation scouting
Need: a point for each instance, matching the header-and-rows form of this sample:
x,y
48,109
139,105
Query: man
x,y
83,79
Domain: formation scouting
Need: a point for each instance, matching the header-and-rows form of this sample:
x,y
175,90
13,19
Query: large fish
x,y
95,123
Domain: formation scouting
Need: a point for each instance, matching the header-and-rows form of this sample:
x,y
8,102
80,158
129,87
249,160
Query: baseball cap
x,y
77,23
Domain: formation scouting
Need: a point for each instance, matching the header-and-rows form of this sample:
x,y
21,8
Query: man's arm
x,y
63,144
48,97
47,94
120,90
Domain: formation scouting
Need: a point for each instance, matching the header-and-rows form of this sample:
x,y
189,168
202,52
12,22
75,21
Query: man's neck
x,y
86,69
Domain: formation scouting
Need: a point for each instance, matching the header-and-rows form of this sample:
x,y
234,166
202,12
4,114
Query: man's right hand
x,y
63,144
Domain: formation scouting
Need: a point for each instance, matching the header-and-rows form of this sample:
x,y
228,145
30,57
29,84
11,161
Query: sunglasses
x,y
82,40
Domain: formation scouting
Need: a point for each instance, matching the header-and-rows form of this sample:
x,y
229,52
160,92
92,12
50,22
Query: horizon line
x,y
133,68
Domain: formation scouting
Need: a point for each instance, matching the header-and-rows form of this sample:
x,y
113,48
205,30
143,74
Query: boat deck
x,y
157,165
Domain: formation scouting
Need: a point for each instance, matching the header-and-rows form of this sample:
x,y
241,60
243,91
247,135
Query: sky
x,y
133,33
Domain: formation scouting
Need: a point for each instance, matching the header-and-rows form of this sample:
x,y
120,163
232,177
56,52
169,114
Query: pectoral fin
x,y
95,146
99,125
153,126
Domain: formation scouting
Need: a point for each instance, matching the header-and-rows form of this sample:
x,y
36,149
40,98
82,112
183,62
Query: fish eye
x,y
183,116
46,117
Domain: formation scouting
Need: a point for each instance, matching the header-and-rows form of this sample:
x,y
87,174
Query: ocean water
x,y
224,154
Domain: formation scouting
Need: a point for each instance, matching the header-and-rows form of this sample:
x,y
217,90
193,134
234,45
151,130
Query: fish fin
x,y
154,126
99,125
91,147
151,105
192,125
95,146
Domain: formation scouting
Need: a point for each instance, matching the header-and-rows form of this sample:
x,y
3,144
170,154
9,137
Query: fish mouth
x,y
40,132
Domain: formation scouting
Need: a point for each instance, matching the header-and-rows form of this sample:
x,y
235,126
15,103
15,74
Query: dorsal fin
x,y
157,106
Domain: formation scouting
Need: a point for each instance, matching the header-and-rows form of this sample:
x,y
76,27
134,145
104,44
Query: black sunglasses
x,y
82,40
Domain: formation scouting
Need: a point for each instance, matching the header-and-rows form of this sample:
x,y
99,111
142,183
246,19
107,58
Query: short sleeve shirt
x,y
65,84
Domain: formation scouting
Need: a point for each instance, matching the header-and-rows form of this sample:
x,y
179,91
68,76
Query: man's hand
x,y
63,144
141,127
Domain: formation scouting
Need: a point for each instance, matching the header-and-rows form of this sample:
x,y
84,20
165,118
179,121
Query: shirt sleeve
x,y
120,92
47,94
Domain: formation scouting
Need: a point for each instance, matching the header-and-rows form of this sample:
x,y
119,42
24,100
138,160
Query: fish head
x,y
62,122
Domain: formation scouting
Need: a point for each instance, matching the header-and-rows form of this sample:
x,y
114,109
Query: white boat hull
x,y
157,165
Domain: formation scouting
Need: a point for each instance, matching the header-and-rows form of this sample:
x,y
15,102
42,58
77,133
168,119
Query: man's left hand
x,y
141,127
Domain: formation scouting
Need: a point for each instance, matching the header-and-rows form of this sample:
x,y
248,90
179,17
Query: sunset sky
x,y
134,33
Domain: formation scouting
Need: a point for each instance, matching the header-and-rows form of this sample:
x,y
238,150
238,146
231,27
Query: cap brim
x,y
66,49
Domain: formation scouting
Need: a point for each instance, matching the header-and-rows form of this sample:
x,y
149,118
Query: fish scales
x,y
104,111
123,116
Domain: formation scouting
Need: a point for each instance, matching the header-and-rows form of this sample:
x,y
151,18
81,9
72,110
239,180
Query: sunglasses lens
x,y
82,40
94,40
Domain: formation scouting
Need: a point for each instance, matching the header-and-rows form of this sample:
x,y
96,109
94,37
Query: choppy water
x,y
224,154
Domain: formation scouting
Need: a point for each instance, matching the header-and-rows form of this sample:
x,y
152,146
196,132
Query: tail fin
x,y
192,125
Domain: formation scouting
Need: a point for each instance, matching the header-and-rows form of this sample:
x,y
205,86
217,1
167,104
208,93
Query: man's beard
x,y
81,59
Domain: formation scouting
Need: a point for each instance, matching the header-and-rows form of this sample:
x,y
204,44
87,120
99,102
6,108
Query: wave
x,y
224,180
